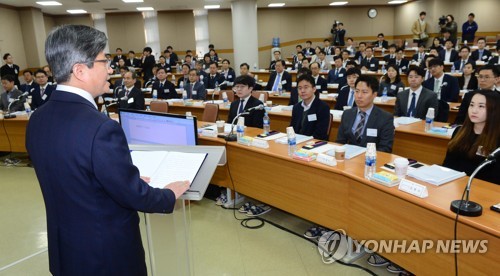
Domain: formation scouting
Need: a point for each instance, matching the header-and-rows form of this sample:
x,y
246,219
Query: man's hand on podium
x,y
178,187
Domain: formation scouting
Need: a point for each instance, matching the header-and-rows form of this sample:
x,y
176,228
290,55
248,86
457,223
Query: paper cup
x,y
220,126
340,153
401,166
269,103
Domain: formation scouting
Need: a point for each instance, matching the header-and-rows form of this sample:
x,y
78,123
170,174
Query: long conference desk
x,y
340,198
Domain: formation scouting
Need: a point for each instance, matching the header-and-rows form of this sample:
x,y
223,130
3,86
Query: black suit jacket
x,y
449,92
426,99
453,56
388,58
321,84
199,88
308,51
416,56
372,65
167,91
254,119
384,44
472,85
392,88
229,77
458,63
486,55
316,127
135,99
210,83
147,67
14,71
136,63
343,98
38,100
341,78
404,64
184,81
286,81
116,59
26,87
379,119
493,60
91,189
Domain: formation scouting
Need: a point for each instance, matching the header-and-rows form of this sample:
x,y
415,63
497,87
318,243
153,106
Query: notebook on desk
x,y
435,174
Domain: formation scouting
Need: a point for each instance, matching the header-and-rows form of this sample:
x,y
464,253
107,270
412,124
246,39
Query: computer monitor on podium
x,y
151,128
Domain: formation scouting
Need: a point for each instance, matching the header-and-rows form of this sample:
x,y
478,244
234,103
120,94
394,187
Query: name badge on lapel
x,y
371,132
131,100
44,97
311,117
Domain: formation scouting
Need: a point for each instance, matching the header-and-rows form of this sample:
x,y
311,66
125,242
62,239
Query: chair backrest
x,y
158,106
257,94
443,112
330,125
230,95
211,113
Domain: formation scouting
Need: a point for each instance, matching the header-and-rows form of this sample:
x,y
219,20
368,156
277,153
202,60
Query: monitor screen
x,y
144,127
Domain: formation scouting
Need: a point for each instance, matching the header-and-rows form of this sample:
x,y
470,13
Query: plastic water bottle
x,y
240,127
173,78
27,108
280,89
148,108
384,95
292,140
370,160
181,85
266,123
359,59
255,66
453,68
429,119
383,51
184,96
216,88
155,94
225,100
383,69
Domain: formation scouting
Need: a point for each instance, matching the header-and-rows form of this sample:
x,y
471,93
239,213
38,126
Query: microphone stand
x,y
231,137
465,207
12,116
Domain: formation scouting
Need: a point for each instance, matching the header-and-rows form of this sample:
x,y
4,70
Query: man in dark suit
x,y
10,68
381,42
163,64
415,102
391,55
338,39
481,54
369,62
360,54
345,58
243,86
91,189
164,88
173,55
195,89
445,86
464,59
132,61
328,49
130,97
214,79
147,63
494,60
11,96
279,78
320,83
366,123
28,81
119,55
488,75
308,50
402,63
41,91
184,80
201,73
337,74
346,93
420,55
311,116
448,54
294,93
169,60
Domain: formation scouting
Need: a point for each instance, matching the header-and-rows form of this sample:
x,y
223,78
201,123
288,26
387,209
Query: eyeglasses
x,y
484,77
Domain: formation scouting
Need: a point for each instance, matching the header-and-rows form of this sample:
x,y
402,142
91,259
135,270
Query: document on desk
x,y
299,138
352,151
164,167
435,174
406,120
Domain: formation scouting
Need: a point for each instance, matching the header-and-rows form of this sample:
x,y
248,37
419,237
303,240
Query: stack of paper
x,y
406,120
435,174
352,151
299,138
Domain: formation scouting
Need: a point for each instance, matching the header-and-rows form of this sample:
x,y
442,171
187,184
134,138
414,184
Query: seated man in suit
x,y
118,56
245,70
324,65
201,72
130,97
279,78
308,50
132,61
163,64
29,81
381,42
415,102
488,75
464,58
495,60
311,116
297,61
392,54
173,55
337,74
163,87
185,76
277,56
10,96
400,61
369,62
481,54
118,84
346,93
448,54
445,86
243,86
320,83
41,92
420,55
227,72
360,54
328,49
366,123
294,94
169,60
190,61
345,58
195,89
214,78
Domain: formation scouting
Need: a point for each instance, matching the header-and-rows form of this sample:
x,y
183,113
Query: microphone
x,y
22,95
470,208
231,137
217,88
11,116
124,98
259,107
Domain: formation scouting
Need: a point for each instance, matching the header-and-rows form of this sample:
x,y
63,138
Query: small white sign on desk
x,y
413,188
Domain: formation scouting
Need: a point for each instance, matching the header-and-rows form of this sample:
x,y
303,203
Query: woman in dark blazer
x,y
468,80
392,81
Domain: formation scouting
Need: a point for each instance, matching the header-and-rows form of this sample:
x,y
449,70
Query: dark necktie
x,y
42,91
359,129
240,109
161,85
411,110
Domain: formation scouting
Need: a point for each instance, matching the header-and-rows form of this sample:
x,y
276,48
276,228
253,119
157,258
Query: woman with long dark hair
x,y
392,81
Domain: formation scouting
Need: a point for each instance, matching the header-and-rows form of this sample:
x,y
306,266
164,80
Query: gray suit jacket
x,y
426,99
14,94
200,94
379,119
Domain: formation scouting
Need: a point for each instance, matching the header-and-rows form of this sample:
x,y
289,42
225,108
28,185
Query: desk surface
x,y
340,198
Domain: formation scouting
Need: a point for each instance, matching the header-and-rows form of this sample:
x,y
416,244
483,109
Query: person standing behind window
x,y
477,138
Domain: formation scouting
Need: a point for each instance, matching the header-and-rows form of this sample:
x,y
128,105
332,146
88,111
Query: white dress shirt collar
x,y
80,92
